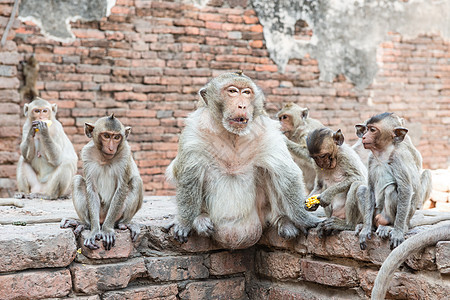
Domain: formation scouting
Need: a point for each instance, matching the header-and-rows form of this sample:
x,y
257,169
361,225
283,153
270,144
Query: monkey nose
x,y
242,106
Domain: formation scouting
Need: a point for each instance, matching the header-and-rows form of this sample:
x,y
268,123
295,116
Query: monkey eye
x,y
247,91
232,90
106,135
372,129
36,111
323,156
45,111
117,137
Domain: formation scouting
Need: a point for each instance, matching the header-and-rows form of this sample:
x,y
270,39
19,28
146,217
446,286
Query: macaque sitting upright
x,y
233,172
340,181
296,125
397,183
48,160
111,191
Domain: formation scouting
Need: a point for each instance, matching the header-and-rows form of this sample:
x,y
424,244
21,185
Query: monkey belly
x,y
238,234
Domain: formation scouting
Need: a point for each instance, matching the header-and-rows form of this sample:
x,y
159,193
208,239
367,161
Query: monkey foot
x,y
135,230
77,226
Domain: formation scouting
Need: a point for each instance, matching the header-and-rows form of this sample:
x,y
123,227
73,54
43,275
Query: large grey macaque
x,y
296,125
397,183
48,160
340,180
111,191
233,172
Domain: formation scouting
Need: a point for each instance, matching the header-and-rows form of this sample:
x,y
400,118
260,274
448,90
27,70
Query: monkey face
x,y
238,108
325,160
40,113
286,123
110,142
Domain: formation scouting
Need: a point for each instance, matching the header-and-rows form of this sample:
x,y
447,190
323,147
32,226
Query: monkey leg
x,y
83,207
58,185
132,204
286,228
27,179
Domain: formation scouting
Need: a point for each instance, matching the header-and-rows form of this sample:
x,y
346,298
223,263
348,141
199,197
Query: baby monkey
x,y
340,179
111,192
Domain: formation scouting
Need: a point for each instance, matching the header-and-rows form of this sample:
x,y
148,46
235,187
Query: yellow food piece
x,y
49,123
311,201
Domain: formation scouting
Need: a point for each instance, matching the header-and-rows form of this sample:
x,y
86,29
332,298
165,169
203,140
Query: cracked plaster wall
x,y
346,34
54,17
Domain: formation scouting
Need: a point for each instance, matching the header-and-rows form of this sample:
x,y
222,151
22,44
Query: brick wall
x,y
146,61
41,261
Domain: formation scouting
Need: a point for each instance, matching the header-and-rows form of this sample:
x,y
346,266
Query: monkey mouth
x,y
238,121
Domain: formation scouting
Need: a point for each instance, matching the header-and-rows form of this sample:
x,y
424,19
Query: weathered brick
x,y
40,246
226,263
92,279
328,273
176,268
167,291
122,247
36,284
443,257
233,288
278,265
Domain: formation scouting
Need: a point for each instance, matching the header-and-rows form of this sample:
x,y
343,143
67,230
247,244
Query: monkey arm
x,y
27,147
93,201
116,206
299,150
327,195
50,149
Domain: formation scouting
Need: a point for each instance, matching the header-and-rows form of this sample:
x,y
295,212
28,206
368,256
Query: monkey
x,y
30,73
111,191
340,180
362,153
396,184
48,160
398,256
233,172
296,124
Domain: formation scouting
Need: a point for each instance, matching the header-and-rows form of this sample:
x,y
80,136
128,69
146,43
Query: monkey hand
x,y
181,232
90,243
325,199
109,238
41,126
312,203
203,225
396,237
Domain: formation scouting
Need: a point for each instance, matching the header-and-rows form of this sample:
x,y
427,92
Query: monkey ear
x,y
202,93
54,108
305,113
338,137
127,131
25,110
88,129
399,134
360,130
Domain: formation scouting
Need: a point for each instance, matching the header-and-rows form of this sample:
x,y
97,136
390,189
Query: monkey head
x,y
40,110
108,133
381,131
234,100
292,117
323,146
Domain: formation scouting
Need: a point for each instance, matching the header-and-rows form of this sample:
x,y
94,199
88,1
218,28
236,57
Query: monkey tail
x,y
425,187
399,254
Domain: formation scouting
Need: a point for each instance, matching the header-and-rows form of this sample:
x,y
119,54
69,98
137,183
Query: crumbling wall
x,y
43,261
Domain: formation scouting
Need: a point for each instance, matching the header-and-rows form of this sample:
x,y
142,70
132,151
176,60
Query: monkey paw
x,y
286,229
396,237
181,232
326,228
203,225
325,199
384,231
109,238
90,243
135,230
